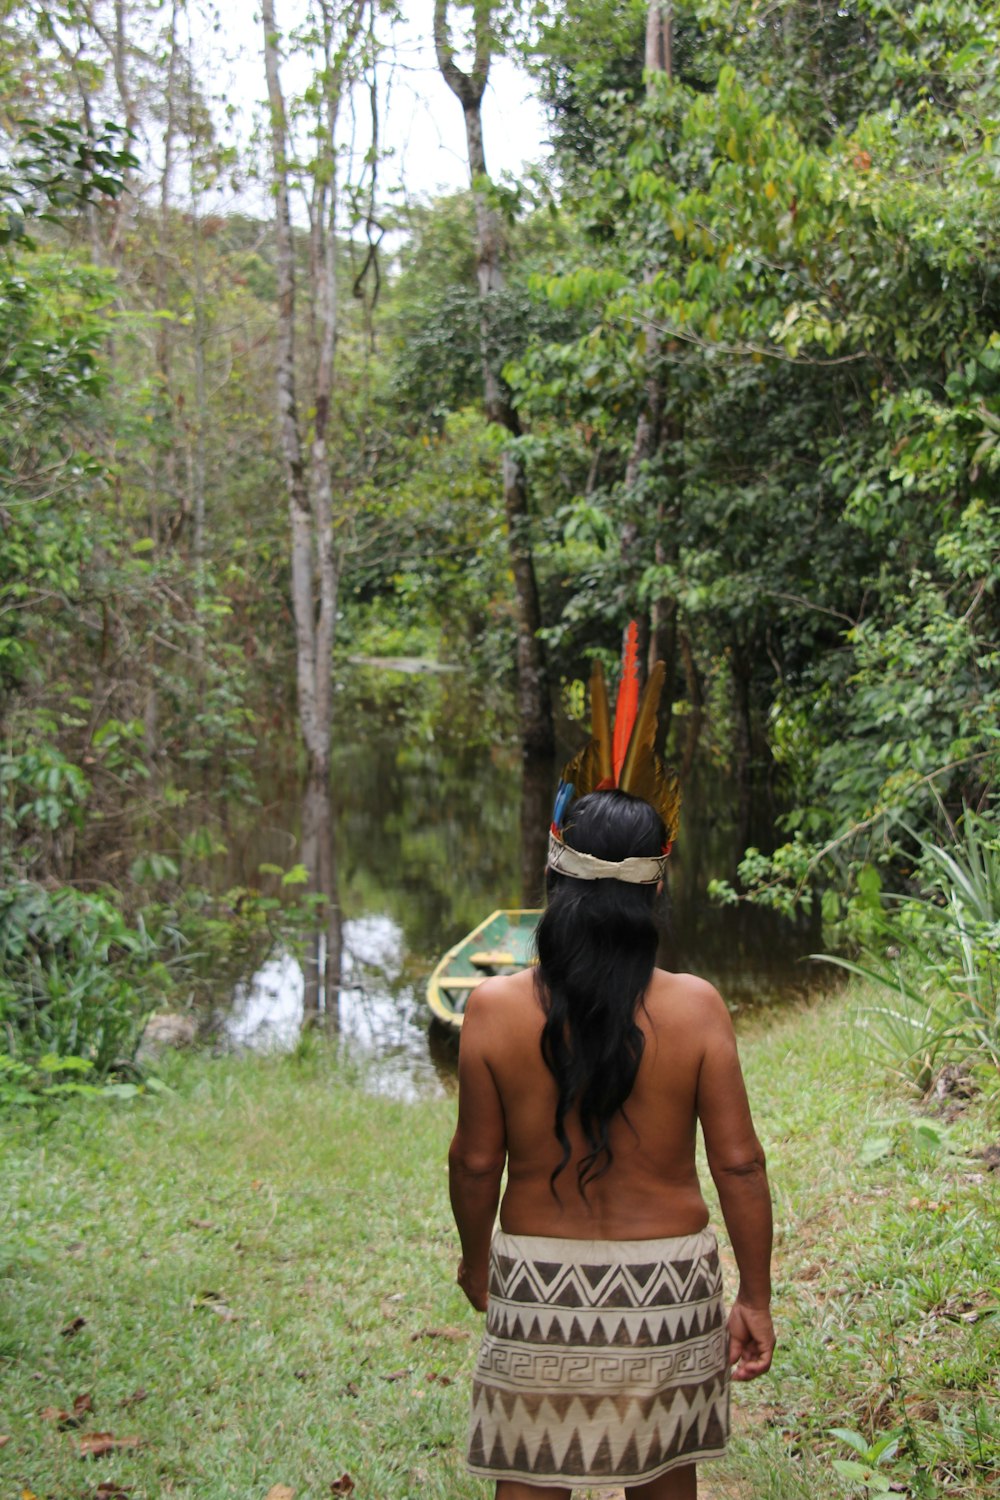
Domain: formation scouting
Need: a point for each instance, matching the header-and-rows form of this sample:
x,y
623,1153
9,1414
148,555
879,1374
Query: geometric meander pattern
x,y
601,1360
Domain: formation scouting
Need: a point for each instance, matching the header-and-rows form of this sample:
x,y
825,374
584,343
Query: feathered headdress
x,y
625,759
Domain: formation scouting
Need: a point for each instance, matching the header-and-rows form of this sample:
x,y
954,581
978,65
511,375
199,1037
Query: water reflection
x,y
380,1007
424,837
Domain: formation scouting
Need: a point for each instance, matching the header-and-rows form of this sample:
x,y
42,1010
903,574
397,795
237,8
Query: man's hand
x,y
474,1286
751,1340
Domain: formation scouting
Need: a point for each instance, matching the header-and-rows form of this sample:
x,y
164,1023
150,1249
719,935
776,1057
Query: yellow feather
x,y
600,722
643,772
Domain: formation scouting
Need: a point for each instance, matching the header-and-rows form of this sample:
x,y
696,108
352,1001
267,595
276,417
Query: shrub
x,y
934,959
77,980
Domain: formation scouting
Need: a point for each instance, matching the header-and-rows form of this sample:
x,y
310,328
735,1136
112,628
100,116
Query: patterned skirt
x,y
602,1360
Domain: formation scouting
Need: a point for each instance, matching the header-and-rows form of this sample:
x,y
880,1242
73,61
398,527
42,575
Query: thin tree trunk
x,y
696,699
534,695
649,424
314,561
315,733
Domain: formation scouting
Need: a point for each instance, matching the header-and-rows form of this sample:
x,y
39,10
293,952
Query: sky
x,y
422,125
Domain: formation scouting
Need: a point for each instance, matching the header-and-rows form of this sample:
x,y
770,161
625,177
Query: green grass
x,y
267,1253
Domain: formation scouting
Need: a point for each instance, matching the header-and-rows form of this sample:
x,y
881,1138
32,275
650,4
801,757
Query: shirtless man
x,y
688,1072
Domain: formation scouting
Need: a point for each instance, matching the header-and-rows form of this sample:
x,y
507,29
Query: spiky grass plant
x,y
935,963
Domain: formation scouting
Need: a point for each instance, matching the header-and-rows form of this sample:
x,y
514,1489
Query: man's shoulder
x,y
502,997
685,996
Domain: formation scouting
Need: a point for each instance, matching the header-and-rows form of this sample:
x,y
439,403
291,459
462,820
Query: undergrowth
x,y
252,1276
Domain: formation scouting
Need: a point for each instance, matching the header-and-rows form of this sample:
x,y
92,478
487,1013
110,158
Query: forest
x,y
319,497
726,361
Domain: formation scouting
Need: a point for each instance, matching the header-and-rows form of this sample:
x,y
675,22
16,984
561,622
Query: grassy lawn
x,y
264,1263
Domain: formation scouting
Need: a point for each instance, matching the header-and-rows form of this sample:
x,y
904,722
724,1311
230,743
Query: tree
x,y
314,574
534,701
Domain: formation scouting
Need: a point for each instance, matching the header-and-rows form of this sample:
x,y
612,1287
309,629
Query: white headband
x,y
637,870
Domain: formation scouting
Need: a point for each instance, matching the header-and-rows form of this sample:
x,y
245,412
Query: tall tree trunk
x,y
658,629
534,695
314,562
316,733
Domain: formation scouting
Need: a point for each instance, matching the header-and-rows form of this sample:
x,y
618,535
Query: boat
x,y
503,943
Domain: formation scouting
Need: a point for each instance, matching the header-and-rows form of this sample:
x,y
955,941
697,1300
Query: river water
x,y
426,834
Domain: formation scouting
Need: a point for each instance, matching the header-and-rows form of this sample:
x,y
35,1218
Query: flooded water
x,y
426,838
382,1013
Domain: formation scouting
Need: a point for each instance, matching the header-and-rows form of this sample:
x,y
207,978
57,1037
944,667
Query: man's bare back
x,y
651,1188
689,1073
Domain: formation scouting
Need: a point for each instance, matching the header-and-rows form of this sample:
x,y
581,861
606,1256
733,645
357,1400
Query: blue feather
x,y
564,797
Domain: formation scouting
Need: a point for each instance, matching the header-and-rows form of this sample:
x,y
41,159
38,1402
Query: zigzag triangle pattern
x,y
602,1360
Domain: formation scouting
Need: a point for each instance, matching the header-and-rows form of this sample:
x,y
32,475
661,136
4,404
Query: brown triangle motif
x,y
654,1454
714,1435
545,1460
547,1270
629,1461
498,1456
477,1453
622,1335
644,1338
602,1464
568,1295
595,1274
561,1402
573,1462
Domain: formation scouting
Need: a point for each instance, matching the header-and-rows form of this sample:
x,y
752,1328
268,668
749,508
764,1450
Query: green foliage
x,y
78,980
789,240
58,167
934,959
870,1472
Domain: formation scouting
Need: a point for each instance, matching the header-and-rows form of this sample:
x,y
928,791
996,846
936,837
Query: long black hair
x,y
596,949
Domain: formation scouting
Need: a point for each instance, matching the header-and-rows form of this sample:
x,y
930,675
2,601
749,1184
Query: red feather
x,y
627,703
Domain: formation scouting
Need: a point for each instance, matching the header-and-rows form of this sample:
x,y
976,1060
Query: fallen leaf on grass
x,y
350,1389
135,1398
108,1490
81,1406
77,1249
280,1492
215,1302
342,1486
72,1327
201,1224
97,1444
396,1375
4,1439
439,1333
441,1379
